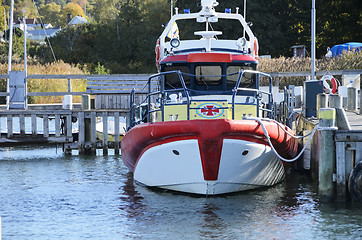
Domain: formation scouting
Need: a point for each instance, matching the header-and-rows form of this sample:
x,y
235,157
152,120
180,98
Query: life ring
x,y
335,85
256,49
158,54
333,81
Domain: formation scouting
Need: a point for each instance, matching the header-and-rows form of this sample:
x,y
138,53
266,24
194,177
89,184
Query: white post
x,y
244,15
171,8
10,49
25,52
11,35
313,46
25,64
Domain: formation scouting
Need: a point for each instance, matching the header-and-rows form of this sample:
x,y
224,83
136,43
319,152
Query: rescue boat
x,y
208,128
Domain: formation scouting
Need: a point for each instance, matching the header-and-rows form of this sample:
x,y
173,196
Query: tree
x,y
104,10
50,13
2,16
73,9
28,6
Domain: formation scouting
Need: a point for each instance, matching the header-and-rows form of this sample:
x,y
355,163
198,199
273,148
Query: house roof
x,y
40,32
77,20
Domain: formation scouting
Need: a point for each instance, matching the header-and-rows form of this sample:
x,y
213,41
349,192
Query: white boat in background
x,y
207,130
111,129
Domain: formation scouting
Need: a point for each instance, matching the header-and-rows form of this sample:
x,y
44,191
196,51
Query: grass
x,y
48,85
347,61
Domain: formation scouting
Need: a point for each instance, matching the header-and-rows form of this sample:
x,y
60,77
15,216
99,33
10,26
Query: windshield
x,y
173,80
247,81
208,75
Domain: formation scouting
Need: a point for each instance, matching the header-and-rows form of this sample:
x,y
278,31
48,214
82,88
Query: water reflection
x,y
213,226
131,199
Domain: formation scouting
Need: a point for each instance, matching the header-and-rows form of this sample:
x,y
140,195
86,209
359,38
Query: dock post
x,y
352,99
86,105
93,132
105,133
116,133
81,134
326,164
85,102
335,101
322,102
34,125
9,126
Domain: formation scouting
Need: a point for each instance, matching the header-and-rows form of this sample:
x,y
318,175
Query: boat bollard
x,y
326,158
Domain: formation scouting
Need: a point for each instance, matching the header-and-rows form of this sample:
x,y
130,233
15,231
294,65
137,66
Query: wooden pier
x,y
74,125
76,129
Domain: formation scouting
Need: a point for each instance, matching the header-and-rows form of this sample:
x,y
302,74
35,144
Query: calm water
x,y
46,195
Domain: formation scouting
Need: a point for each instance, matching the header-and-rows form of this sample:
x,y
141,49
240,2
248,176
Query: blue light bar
x,y
187,10
227,10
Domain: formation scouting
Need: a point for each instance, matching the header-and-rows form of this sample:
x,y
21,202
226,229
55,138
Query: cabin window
x,y
247,81
208,75
172,80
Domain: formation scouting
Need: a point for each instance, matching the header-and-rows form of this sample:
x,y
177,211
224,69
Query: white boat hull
x,y
177,166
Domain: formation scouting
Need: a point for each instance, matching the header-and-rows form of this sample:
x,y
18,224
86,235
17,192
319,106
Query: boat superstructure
x,y
208,128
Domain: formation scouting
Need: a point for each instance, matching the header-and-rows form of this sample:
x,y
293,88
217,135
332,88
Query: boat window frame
x,y
230,84
188,79
217,82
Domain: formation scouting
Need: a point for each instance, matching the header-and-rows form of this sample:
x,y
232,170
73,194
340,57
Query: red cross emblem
x,y
210,110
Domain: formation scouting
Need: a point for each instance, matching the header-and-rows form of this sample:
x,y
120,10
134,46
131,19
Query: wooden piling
x,y
57,125
105,133
46,126
81,133
352,99
116,133
341,171
322,102
34,125
9,126
335,101
93,137
22,125
85,102
327,153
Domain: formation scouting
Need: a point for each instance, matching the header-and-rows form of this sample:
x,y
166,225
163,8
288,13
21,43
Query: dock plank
x,y
355,120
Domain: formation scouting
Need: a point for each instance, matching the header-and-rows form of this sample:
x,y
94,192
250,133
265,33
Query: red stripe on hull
x,y
210,135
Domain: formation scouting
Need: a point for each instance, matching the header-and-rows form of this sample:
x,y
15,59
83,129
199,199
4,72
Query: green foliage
x,y
50,13
98,69
122,33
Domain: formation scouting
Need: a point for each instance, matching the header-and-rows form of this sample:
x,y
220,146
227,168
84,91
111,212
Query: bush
x,y
347,61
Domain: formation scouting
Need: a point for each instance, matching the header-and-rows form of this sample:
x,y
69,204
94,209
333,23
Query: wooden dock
x,y
346,152
76,129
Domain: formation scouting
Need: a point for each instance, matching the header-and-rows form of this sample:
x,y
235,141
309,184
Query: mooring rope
x,y
271,144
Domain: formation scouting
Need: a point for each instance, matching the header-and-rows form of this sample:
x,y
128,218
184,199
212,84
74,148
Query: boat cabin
x,y
214,72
